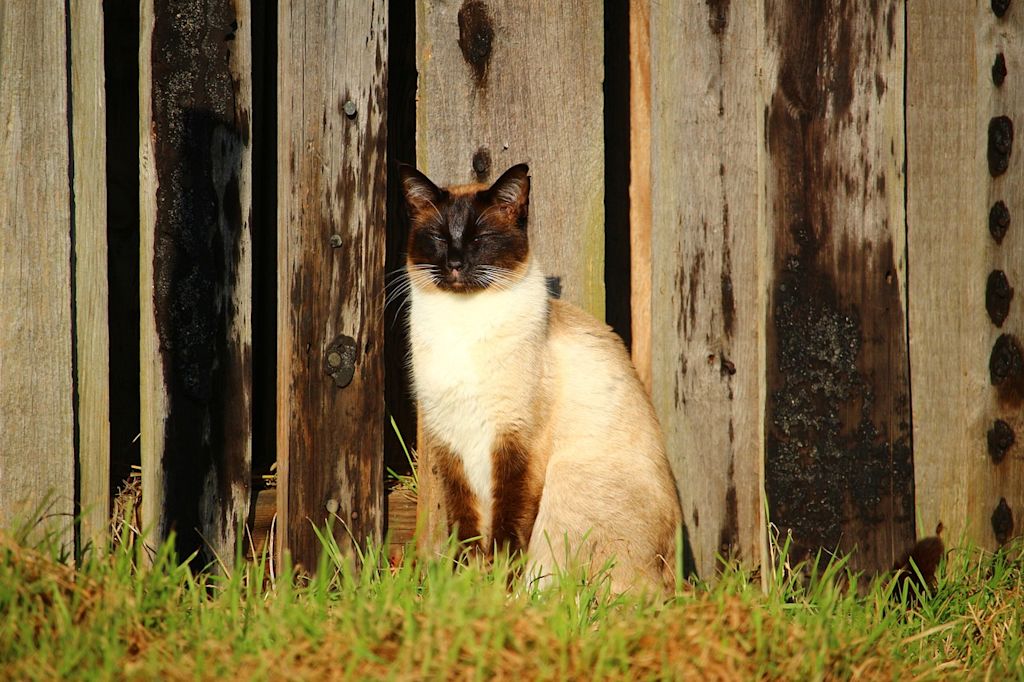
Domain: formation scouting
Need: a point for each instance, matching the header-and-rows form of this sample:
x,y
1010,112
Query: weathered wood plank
x,y
90,244
640,186
486,102
959,244
37,464
707,315
195,274
401,523
839,470
332,99
996,508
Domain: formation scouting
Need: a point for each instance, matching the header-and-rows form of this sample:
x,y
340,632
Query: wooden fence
x,y
798,214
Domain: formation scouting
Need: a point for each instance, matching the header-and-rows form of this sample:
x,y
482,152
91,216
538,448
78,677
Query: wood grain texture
x,y
401,523
431,515
332,183
640,186
706,313
505,83
37,465
195,272
839,470
90,244
951,99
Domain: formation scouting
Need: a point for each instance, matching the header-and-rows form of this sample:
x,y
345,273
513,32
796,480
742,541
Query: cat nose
x,y
454,263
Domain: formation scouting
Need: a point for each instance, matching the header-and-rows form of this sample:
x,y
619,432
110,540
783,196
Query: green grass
x,y
111,618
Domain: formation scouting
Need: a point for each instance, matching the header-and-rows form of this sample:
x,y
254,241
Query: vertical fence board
x,y
91,321
488,72
946,231
706,316
488,77
998,504
839,470
195,273
959,306
640,186
36,411
332,98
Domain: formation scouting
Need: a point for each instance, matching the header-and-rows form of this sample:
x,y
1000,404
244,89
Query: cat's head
x,y
467,238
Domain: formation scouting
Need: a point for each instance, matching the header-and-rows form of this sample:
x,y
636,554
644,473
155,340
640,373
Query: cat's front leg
x,y
460,504
516,495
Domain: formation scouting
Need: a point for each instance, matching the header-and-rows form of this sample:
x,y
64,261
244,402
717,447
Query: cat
x,y
544,438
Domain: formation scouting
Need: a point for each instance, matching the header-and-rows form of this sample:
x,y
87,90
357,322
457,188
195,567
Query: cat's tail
x,y
918,566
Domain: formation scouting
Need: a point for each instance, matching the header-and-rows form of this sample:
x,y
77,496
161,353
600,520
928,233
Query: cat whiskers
x,y
401,282
496,277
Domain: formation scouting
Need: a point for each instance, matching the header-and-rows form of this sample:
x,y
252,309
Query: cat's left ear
x,y
419,191
513,187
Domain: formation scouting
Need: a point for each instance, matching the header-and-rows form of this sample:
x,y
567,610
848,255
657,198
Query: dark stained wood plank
x,y
839,470
332,136
37,464
195,274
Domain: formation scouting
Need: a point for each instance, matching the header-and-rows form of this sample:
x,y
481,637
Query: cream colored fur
x,y
510,359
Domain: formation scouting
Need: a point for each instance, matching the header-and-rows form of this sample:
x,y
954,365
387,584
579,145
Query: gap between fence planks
x,y
332,99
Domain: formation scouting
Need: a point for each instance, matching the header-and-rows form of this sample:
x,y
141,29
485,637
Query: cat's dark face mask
x,y
467,238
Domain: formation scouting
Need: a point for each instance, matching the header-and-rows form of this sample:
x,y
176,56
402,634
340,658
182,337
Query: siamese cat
x,y
543,435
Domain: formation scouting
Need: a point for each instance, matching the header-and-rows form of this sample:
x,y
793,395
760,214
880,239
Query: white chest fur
x,y
474,359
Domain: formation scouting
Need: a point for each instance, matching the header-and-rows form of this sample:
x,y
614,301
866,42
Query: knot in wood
x,y
476,37
998,221
998,295
1000,145
1000,439
340,360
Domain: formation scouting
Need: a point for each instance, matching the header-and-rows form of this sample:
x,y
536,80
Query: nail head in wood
x,y
335,241
350,108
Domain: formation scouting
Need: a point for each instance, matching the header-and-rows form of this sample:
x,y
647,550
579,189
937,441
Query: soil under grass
x,y
421,620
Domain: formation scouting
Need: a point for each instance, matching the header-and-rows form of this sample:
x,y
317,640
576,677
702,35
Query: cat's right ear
x,y
419,192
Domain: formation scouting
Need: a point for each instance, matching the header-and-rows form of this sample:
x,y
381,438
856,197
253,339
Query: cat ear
x,y
513,187
417,188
